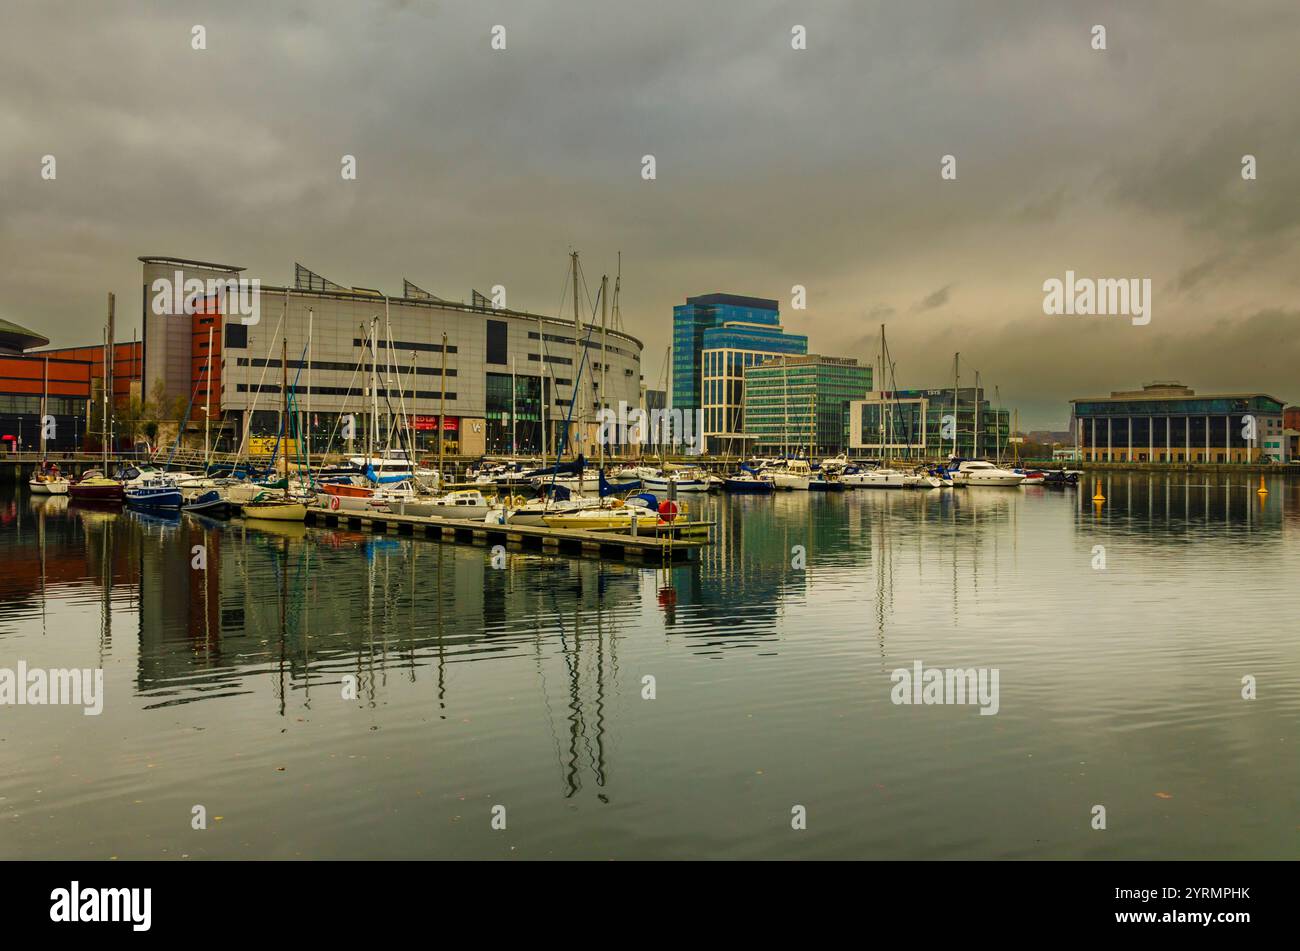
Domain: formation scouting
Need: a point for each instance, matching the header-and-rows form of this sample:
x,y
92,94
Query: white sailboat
x,y
793,476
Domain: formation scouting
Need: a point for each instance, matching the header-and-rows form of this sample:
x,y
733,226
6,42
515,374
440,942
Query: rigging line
x,y
180,425
365,343
266,364
577,378
283,429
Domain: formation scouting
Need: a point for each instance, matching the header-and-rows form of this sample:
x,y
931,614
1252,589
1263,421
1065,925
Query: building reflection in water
x,y
304,608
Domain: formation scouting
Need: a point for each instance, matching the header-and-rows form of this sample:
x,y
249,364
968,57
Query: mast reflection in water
x,y
332,693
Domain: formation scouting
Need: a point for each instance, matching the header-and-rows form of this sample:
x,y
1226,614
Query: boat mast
x,y
997,425
103,397
886,368
374,393
604,314
812,421
977,415
108,369
45,396
514,410
541,383
442,412
785,409
577,358
207,403
956,385
309,419
284,407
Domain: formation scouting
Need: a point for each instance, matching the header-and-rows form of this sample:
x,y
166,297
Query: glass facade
x,y
1168,422
747,323
794,403
722,389
517,418
926,423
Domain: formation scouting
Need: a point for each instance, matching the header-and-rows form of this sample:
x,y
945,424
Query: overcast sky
x,y
775,167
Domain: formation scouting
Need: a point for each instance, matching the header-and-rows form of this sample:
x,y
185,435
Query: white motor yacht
x,y
977,472
875,479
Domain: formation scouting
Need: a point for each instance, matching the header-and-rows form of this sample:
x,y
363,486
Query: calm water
x,y
522,686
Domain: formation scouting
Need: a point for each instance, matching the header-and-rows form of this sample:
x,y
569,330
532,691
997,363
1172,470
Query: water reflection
x,y
771,653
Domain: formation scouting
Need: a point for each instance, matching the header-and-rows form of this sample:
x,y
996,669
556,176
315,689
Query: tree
x,y
132,417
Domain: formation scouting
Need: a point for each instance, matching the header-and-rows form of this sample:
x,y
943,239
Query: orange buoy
x,y
1097,496
1262,490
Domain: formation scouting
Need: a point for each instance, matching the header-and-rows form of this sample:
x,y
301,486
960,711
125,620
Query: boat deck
x,y
678,543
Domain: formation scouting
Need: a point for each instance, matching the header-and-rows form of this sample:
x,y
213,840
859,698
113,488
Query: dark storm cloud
x,y
932,301
775,167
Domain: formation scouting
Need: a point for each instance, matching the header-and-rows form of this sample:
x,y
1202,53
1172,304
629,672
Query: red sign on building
x,y
430,423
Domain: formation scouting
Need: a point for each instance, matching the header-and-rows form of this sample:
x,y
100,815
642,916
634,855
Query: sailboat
x,y
48,481
95,486
794,476
284,509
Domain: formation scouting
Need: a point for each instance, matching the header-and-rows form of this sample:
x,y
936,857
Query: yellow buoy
x,y
1261,490
1098,497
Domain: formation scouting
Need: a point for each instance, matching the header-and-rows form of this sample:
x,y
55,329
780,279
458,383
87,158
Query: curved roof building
x,y
15,339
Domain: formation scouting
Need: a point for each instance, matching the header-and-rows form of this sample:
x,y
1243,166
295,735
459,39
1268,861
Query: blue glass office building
x,y
723,322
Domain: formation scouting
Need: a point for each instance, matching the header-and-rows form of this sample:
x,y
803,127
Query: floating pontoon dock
x,y
676,543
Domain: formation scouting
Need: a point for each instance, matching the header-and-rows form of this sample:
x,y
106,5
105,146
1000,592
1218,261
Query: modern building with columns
x,y
1168,422
500,377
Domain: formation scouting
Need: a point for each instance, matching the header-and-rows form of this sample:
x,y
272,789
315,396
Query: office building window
x,y
496,342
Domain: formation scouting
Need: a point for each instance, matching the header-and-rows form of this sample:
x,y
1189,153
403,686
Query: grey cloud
x,y
776,167
933,301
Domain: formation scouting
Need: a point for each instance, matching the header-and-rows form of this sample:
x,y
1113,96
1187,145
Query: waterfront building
x,y
928,423
1168,422
792,402
739,331
504,373
73,378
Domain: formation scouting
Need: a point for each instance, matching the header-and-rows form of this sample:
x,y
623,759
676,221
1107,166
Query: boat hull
x,y
51,487
790,483
1005,482
209,503
154,498
820,485
275,511
105,494
922,482
747,486
436,510
874,480
683,485
345,503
